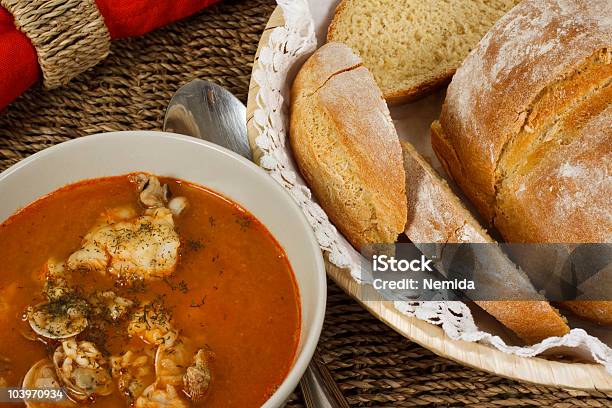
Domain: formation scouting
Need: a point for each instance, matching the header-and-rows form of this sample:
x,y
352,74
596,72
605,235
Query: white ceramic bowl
x,y
202,163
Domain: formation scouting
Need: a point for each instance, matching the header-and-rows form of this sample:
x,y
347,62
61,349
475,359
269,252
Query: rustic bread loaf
x,y
436,215
413,47
346,146
526,127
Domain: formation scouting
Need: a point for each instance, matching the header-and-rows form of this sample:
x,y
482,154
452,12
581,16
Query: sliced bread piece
x,y
413,47
436,215
346,146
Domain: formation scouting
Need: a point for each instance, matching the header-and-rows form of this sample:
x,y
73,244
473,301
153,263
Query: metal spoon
x,y
208,111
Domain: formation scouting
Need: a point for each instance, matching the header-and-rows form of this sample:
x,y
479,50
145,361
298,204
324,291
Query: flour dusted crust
x,y
327,61
566,196
535,44
346,146
526,127
437,215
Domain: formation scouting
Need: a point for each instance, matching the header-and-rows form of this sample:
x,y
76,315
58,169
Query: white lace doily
x,y
287,48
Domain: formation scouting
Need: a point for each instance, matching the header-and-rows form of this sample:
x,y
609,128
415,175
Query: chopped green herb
x,y
182,285
194,245
198,304
244,221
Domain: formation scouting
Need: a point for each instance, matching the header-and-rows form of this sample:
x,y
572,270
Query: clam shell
x,y
84,381
42,375
57,322
171,361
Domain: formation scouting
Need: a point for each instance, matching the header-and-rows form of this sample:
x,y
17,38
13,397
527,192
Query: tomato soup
x,y
227,290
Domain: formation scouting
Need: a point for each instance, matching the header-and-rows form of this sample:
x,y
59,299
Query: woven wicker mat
x,y
373,365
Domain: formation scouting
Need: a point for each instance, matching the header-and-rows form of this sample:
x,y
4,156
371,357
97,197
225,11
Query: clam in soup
x,y
146,292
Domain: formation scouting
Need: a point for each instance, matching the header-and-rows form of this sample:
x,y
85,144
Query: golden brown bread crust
x,y
596,311
526,126
340,129
436,215
559,185
492,93
532,321
340,8
327,61
426,87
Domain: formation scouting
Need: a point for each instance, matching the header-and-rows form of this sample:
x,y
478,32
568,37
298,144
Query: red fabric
x,y
18,63
128,18
124,18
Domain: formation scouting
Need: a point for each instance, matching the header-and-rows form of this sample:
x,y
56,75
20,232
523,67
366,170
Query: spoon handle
x,y
319,388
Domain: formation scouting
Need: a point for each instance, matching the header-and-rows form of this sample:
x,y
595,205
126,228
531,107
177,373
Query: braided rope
x,y
69,35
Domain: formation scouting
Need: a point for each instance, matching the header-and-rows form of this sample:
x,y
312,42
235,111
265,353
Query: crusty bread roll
x,y
437,215
346,146
526,127
598,311
413,47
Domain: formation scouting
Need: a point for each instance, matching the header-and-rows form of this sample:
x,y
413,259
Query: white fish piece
x,y
108,304
57,280
131,246
177,205
172,360
183,364
145,247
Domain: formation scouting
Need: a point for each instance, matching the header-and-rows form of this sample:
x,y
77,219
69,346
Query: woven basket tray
x,y
536,369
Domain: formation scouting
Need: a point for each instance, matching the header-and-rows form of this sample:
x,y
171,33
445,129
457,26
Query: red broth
x,y
233,288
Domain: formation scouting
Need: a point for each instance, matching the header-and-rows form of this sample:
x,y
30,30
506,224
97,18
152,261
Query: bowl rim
x,y
303,356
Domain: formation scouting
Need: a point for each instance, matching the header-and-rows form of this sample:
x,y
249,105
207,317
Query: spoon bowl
x,y
210,112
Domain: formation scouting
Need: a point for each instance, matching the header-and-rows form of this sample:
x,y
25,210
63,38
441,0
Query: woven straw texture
x,y
130,89
69,35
